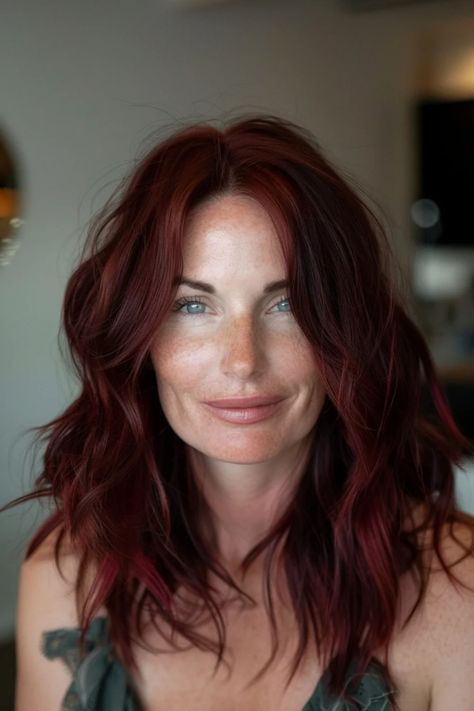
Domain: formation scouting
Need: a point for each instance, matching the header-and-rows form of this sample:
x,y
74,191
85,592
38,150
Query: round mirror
x,y
9,202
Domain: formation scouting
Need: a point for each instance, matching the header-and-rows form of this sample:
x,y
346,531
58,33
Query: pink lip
x,y
244,415
240,402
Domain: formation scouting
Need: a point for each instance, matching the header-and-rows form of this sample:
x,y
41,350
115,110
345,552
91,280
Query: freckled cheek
x,y
301,367
295,353
181,362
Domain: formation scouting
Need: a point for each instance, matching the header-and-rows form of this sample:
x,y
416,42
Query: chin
x,y
243,454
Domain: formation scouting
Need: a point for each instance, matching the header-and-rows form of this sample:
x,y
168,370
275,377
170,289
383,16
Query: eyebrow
x,y
204,286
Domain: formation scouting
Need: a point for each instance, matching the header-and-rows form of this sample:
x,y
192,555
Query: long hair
x,y
119,476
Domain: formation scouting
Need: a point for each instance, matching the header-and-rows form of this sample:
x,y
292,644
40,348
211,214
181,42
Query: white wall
x,y
83,84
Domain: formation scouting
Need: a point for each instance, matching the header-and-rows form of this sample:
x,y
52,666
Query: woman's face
x,y
238,341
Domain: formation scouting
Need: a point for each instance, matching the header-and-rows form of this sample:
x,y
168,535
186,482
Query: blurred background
x,y
386,86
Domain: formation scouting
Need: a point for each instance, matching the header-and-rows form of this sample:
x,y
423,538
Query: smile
x,y
244,415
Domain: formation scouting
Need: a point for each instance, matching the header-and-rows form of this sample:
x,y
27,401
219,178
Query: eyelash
x,y
197,300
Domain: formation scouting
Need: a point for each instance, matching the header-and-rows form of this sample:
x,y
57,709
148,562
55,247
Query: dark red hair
x,y
119,475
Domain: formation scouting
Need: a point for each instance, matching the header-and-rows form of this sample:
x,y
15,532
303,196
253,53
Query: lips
x,y
244,402
245,410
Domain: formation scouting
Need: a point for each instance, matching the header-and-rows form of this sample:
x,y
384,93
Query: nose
x,y
243,351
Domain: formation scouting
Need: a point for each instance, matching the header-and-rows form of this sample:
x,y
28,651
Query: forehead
x,y
232,230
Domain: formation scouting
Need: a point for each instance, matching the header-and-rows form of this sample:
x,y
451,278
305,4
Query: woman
x,y
252,508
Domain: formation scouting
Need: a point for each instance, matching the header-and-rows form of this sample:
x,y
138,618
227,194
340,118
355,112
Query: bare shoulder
x,y
40,575
449,618
426,638
46,601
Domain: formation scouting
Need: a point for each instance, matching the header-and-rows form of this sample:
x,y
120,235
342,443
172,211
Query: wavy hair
x,y
119,476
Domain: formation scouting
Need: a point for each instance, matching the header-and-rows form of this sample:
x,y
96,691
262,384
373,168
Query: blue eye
x,y
284,301
185,301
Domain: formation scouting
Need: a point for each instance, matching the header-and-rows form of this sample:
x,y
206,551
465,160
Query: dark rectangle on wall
x,y
445,157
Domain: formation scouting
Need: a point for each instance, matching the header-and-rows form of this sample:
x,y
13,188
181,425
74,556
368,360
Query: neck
x,y
243,501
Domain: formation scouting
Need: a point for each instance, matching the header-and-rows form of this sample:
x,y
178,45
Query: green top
x,y
101,683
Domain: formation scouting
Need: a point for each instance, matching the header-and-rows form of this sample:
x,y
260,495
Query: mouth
x,y
245,402
244,415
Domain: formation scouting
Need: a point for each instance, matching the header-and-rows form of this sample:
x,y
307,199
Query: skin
x,y
238,342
